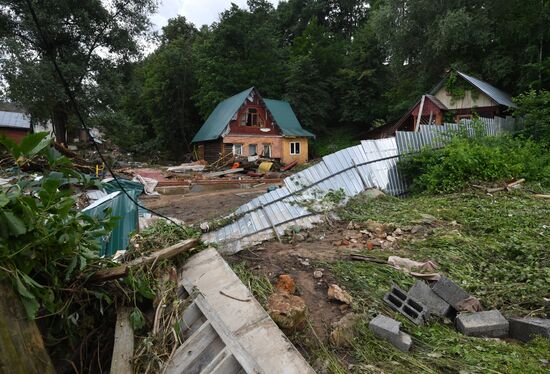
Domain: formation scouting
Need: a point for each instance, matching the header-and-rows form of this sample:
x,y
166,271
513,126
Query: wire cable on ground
x,y
74,103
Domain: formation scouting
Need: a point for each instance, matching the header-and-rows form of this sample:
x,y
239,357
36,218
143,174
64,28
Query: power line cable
x,y
72,99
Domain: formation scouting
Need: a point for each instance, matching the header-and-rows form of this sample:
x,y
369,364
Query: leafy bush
x,y
468,160
534,108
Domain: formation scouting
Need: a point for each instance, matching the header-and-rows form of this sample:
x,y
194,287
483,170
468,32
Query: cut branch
x,y
169,252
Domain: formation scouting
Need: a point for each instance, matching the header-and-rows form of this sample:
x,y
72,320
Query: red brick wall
x,y
14,134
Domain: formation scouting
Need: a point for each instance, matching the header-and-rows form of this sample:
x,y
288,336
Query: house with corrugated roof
x,y
456,97
14,125
247,124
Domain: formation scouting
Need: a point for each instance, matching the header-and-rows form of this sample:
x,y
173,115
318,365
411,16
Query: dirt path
x,y
196,207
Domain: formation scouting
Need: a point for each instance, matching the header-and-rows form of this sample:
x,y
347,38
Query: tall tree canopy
x,y
340,63
88,38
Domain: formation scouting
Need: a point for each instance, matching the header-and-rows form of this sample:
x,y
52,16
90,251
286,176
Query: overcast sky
x,y
199,12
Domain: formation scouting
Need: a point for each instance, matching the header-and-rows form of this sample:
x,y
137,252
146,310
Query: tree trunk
x,y
60,124
22,349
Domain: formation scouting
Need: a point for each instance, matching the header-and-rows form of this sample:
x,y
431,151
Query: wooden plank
x,y
22,349
216,360
229,365
271,223
541,196
223,172
123,350
122,270
191,321
193,348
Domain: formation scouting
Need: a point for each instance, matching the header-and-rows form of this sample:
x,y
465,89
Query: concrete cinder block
x,y
387,328
411,308
528,328
490,324
449,291
436,305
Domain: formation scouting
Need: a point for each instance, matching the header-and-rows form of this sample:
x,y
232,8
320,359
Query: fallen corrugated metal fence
x,y
372,164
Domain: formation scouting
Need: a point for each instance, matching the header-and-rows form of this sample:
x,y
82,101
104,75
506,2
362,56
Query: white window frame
x,y
255,149
266,146
237,146
293,148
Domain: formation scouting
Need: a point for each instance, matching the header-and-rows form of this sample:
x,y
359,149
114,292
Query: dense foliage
x,y
340,64
479,158
534,110
92,42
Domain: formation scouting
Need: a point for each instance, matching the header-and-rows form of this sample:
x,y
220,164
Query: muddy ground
x,y
300,259
195,207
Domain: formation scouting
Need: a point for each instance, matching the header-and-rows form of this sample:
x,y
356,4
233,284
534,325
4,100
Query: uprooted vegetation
x,y
49,256
495,247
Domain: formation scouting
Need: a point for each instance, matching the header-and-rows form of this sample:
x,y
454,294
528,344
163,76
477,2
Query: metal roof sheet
x,y
218,120
285,118
499,96
494,93
15,120
354,169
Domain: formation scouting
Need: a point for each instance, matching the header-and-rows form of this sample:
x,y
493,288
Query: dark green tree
x,y
240,51
88,39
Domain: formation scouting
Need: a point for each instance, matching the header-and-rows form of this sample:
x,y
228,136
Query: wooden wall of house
x,y
468,101
267,127
14,134
210,151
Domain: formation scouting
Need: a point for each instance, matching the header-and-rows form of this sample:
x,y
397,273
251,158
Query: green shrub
x,y
468,160
534,108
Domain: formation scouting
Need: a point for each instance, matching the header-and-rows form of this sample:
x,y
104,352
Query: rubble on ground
x,y
338,294
389,329
344,330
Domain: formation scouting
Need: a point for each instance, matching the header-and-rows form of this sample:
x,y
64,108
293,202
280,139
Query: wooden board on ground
x,y
225,311
123,350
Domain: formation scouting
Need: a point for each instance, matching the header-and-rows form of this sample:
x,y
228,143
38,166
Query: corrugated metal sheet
x,y
372,164
14,120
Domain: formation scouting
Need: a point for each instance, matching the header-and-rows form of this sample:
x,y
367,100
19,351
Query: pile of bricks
x,y
445,299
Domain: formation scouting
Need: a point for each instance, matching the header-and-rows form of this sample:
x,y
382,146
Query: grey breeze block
x,y
449,291
387,328
436,305
411,308
528,328
489,324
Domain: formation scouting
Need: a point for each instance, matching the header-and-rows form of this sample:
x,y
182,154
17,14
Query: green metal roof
x,y
218,120
286,119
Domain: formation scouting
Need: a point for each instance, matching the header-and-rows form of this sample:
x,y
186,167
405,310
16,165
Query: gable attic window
x,y
250,118
295,148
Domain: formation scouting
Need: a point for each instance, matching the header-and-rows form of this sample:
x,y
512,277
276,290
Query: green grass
x,y
260,286
497,249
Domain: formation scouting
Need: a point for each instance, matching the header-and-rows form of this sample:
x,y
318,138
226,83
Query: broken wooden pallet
x,y
224,329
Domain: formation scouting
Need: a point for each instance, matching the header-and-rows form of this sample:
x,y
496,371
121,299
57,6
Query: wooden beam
x,y
122,270
22,349
123,350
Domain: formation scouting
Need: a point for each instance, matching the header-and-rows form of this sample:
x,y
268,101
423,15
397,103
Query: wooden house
x,y
439,106
247,125
14,125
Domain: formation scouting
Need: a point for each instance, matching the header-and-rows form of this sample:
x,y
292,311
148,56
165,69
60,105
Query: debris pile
x,y
444,299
